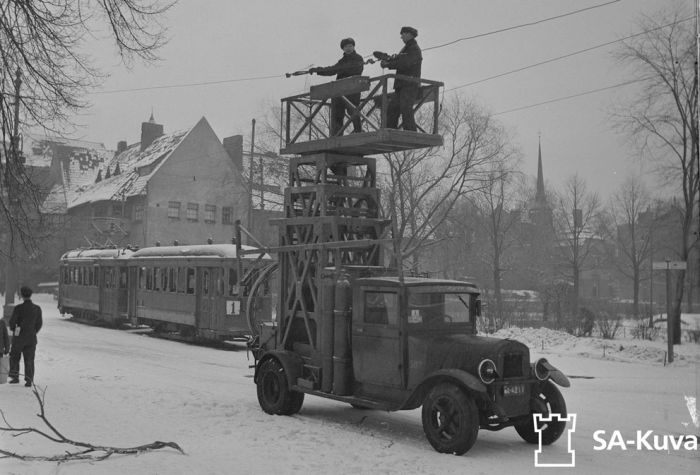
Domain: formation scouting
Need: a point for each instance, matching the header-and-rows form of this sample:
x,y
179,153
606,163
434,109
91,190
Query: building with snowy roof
x,y
184,186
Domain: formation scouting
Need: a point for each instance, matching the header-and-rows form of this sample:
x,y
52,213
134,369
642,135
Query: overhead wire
x,y
568,55
256,78
558,99
522,25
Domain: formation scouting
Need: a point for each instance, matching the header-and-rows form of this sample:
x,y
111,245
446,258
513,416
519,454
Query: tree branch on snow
x,y
89,451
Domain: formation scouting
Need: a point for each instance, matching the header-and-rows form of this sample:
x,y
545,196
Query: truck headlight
x,y
541,370
487,371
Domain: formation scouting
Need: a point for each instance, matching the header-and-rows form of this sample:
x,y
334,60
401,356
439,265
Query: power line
x,y
568,55
522,25
206,83
592,91
223,81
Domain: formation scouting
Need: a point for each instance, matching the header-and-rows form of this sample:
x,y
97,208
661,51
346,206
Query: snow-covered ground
x,y
114,388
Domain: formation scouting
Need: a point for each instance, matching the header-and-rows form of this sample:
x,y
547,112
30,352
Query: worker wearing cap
x,y
407,63
351,64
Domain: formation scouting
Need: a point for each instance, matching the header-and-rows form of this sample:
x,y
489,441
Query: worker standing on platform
x,y
408,63
351,64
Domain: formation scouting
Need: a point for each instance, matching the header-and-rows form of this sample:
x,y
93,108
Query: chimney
x,y
149,132
234,147
121,146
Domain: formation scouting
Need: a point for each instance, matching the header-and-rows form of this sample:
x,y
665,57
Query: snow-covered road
x,y
114,388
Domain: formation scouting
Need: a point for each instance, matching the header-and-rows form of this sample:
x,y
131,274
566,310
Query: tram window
x,y
190,280
181,279
164,279
172,279
142,277
149,279
156,278
205,282
220,273
122,278
232,280
90,277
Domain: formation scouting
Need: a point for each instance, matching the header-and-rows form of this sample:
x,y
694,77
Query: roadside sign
x,y
670,265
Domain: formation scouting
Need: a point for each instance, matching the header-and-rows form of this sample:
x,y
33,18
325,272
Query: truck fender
x,y
291,362
459,377
557,376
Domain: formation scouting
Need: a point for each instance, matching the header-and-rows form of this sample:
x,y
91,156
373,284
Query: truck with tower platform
x,y
353,329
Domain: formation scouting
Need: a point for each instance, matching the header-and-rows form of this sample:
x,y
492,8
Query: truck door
x,y
376,339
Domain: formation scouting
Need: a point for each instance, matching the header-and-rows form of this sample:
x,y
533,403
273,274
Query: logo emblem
x,y
571,427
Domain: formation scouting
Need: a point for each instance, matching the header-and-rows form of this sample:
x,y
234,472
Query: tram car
x,y
190,292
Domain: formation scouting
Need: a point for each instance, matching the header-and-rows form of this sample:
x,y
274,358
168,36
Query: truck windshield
x,y
437,308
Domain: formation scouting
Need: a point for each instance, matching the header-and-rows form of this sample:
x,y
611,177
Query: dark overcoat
x,y
407,62
349,65
27,317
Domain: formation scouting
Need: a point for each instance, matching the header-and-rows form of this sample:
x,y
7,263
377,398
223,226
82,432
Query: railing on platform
x,y
307,115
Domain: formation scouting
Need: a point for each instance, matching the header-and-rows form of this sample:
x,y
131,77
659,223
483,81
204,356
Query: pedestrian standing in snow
x,y
4,351
25,323
407,63
351,64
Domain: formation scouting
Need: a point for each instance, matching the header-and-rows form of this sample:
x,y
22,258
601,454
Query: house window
x,y
227,215
192,211
138,212
209,214
174,209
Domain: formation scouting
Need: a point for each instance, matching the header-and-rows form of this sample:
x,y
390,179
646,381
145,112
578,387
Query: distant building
x,y
185,186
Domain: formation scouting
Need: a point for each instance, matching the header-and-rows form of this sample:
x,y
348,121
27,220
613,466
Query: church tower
x,y
539,210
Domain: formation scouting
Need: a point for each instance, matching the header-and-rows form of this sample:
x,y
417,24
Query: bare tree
x,y
495,204
43,79
575,223
663,117
630,227
424,186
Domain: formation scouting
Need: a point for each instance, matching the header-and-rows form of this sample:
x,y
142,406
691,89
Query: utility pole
x,y
250,177
12,198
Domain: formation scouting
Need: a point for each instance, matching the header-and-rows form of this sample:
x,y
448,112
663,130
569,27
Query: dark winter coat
x,y
407,62
27,317
349,65
4,338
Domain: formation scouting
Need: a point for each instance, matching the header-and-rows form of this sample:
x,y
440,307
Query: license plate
x,y
514,390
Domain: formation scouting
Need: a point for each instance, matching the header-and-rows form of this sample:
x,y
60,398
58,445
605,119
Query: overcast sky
x,y
226,40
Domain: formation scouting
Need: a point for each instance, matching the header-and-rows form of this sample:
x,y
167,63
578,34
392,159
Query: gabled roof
x,y
136,168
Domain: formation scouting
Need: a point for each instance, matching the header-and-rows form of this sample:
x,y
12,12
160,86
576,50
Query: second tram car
x,y
193,291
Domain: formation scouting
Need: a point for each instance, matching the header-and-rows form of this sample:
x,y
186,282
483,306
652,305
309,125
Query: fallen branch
x,y
90,451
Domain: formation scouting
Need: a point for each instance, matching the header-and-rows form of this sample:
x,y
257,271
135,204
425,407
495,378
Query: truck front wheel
x,y
274,395
546,401
450,419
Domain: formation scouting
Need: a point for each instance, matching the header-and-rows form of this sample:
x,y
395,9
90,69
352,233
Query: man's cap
x,y
409,29
347,41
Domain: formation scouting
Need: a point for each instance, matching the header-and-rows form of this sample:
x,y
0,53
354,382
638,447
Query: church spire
x,y
539,194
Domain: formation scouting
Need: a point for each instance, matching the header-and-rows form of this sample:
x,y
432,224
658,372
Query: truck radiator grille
x,y
512,366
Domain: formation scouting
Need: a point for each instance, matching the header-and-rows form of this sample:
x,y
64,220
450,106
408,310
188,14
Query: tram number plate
x,y
514,390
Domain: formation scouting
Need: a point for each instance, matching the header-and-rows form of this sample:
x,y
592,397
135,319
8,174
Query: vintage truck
x,y
383,342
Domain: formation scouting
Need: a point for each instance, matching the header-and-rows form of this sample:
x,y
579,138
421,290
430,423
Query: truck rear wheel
x,y
546,401
450,419
274,395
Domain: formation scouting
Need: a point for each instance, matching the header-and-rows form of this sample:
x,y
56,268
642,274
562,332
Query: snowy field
x,y
111,387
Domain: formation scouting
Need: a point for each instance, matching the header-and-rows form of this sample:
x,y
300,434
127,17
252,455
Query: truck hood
x,y
466,351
